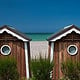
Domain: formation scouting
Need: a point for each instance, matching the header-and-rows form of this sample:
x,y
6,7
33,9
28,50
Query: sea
x,y
38,36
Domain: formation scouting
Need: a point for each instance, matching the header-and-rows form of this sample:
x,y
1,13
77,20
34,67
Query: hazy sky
x,y
39,15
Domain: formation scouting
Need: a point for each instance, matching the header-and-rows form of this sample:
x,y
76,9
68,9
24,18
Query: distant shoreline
x,y
38,36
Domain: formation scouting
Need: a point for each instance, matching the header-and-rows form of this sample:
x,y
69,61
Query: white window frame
x,y
3,52
74,52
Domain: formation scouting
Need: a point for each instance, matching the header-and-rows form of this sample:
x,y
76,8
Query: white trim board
x,y
51,53
26,60
64,34
13,34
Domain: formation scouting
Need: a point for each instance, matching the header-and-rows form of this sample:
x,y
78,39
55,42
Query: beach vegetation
x,y
8,69
41,69
71,70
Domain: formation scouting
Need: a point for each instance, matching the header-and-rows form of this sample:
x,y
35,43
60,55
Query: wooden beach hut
x,y
63,46
15,44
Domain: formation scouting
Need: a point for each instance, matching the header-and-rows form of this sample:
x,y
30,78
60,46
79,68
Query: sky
x,y
37,16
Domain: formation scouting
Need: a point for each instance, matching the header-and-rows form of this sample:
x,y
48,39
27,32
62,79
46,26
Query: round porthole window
x,y
72,49
5,50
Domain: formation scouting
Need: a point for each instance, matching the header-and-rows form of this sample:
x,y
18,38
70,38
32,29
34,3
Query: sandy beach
x,y
38,48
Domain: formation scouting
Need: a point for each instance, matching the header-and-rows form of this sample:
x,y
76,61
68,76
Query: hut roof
x,y
64,32
14,32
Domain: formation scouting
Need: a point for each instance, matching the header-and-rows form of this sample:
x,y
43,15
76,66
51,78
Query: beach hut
x,y
63,46
15,44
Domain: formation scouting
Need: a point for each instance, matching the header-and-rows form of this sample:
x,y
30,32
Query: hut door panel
x,y
64,55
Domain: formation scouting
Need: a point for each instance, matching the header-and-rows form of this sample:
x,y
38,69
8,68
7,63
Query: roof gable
x,y
64,32
14,33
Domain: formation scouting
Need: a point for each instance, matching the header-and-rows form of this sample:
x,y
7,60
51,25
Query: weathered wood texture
x,y
17,51
61,54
